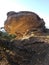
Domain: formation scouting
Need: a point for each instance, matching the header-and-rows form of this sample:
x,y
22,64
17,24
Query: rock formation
x,y
32,48
24,52
22,23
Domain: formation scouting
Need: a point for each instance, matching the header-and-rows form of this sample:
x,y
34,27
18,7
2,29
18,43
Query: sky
x,y
40,7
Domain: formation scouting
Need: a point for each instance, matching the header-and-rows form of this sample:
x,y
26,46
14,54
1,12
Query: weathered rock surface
x,y
33,48
22,23
32,51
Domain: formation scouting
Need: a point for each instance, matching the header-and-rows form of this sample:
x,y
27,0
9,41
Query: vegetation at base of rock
x,y
6,36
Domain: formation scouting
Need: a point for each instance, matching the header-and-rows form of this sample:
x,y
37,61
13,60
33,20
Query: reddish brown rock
x,y
20,23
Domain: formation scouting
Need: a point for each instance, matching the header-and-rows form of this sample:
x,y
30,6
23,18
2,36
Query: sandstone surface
x,y
23,22
32,48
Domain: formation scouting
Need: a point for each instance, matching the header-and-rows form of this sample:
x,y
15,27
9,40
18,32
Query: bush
x,y
6,36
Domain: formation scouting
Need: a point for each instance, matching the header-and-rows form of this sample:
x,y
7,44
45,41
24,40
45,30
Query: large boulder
x,y
20,23
31,51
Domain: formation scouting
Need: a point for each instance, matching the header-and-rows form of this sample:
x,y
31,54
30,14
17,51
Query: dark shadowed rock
x,y
24,52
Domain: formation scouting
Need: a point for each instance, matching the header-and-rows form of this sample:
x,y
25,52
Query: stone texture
x,y
32,49
20,23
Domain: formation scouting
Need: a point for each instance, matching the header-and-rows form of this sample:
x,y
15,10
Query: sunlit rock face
x,y
23,22
31,46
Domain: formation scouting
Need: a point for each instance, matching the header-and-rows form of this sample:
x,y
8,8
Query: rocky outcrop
x,y
33,46
32,51
23,23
